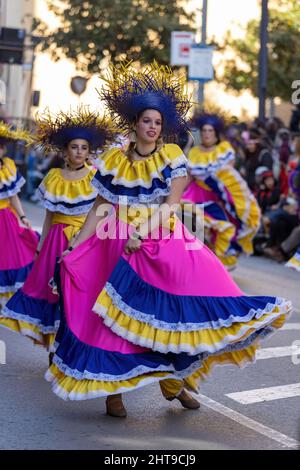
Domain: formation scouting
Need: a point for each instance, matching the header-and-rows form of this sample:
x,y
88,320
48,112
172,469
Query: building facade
x,y
17,78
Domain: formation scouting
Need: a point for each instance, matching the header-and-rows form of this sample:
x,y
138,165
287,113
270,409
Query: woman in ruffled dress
x,y
18,242
67,195
142,299
231,213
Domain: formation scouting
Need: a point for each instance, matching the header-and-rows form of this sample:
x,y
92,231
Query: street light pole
x,y
263,60
203,43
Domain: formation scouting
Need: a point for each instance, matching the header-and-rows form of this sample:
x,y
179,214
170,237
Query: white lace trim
x,y
55,198
12,192
141,198
67,211
198,169
183,327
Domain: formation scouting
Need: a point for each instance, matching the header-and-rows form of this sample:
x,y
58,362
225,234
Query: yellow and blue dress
x,y
34,309
231,213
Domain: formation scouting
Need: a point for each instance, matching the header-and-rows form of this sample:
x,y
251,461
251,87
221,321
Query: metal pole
x,y
263,60
203,42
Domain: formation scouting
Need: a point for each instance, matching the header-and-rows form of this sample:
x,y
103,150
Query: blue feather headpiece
x,y
129,92
55,132
201,119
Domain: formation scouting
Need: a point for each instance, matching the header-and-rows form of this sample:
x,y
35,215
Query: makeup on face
x,y
149,126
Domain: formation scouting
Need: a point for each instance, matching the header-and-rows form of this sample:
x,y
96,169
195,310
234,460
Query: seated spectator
x,y
269,192
287,248
256,155
282,222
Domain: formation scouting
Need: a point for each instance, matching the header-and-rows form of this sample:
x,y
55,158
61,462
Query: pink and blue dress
x,y
168,311
34,309
17,244
231,213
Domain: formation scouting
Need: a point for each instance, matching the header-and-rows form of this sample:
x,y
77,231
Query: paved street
x,y
254,408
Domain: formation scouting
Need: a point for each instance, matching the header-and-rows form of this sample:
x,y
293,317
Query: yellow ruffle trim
x,y
4,298
115,162
197,156
245,205
294,263
229,261
238,358
180,341
224,233
8,172
70,388
30,331
4,203
79,189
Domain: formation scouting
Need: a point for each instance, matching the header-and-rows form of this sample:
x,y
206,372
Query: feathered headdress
x,y
129,91
8,134
212,115
54,132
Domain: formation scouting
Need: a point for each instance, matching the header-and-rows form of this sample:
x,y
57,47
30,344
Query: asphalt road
x,y
32,417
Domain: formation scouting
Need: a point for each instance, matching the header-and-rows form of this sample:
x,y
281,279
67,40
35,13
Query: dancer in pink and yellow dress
x,y
143,300
67,195
231,213
18,242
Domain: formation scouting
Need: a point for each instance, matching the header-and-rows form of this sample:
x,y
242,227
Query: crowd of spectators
x,y
268,157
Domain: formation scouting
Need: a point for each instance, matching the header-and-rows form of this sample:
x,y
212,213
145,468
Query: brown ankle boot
x,y
115,407
188,401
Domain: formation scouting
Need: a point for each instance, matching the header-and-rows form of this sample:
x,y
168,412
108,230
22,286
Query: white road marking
x,y
282,439
266,394
290,326
281,351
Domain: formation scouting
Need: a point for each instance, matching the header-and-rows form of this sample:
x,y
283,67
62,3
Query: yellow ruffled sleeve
x,y
70,197
11,181
202,164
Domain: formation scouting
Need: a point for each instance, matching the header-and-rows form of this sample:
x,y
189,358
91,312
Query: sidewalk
x,y
35,213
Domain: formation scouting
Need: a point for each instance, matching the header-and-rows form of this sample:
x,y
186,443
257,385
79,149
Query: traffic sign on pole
x,y
200,65
181,42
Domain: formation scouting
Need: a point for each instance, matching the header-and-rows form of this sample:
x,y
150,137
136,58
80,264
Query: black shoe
x,y
51,355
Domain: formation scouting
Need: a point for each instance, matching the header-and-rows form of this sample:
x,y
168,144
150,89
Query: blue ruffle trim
x,y
78,208
205,170
38,312
148,304
84,362
137,194
13,188
12,279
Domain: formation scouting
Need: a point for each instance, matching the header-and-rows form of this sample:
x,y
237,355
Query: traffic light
x,y
11,45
